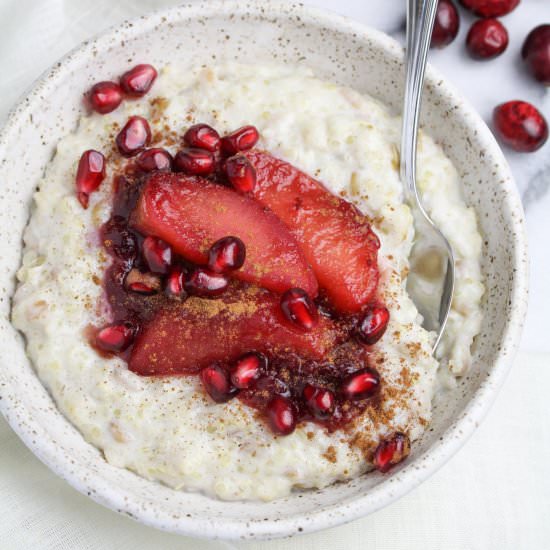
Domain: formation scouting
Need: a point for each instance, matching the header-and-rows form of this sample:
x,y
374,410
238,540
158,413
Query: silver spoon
x,y
432,276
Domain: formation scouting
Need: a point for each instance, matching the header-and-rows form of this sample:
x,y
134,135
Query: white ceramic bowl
x,y
337,49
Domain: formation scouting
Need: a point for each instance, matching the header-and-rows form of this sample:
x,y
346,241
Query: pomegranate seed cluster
x,y
148,274
518,124
104,97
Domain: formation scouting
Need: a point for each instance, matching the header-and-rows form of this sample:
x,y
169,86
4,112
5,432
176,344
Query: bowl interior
x,y
338,50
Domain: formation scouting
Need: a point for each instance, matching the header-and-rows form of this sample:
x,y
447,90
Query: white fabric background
x,y
495,494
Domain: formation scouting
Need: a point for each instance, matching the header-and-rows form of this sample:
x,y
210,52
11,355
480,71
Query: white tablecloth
x,y
495,494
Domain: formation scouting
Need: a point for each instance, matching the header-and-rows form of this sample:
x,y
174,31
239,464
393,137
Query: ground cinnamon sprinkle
x,y
159,105
414,349
157,137
212,308
406,379
330,454
364,442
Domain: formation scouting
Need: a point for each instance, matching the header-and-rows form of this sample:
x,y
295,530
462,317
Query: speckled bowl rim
x,y
410,475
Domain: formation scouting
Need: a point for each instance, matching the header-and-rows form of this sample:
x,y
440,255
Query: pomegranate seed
x,y
227,254
240,173
319,401
520,125
116,337
154,159
203,137
157,254
446,24
486,39
175,282
299,308
90,174
362,384
281,415
247,369
141,283
216,382
138,81
240,140
105,97
490,8
373,325
392,451
203,282
193,161
134,137
536,53
140,288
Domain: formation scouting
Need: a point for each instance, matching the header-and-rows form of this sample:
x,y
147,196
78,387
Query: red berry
x,y
105,97
362,384
373,325
281,414
157,254
392,451
240,173
446,24
203,137
490,8
319,401
240,140
536,53
154,159
520,125
116,337
247,369
195,162
141,283
138,81
486,39
216,382
203,282
299,309
175,282
90,174
227,254
134,136
141,288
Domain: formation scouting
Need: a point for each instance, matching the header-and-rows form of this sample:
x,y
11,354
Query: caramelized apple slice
x,y
186,337
191,214
334,236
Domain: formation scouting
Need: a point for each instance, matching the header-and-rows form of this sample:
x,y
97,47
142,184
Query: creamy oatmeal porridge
x,y
167,428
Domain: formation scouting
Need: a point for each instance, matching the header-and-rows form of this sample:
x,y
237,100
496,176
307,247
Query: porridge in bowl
x,y
230,315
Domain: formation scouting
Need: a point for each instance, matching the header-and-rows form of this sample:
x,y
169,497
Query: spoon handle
x,y
420,20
